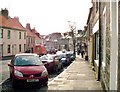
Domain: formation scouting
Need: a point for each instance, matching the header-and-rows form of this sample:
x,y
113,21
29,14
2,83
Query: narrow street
x,y
79,37
77,76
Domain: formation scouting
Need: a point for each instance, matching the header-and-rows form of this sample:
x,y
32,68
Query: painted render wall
x,y
14,41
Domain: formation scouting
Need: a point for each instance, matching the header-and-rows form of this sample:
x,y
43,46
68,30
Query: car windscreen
x,y
27,60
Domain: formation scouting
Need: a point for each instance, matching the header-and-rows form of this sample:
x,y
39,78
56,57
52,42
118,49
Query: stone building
x,y
52,41
89,36
105,44
93,37
30,38
106,51
12,35
109,43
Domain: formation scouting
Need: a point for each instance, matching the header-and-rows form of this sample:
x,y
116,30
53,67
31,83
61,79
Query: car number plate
x,y
32,80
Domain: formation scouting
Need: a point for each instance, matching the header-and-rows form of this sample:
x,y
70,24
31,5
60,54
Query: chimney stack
x,y
4,12
28,26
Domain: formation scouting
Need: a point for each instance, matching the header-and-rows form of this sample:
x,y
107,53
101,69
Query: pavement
x,y
78,76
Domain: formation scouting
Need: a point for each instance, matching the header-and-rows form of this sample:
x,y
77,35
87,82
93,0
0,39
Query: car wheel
x,y
10,76
14,84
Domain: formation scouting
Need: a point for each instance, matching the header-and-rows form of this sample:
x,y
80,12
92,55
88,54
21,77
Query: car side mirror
x,y
10,65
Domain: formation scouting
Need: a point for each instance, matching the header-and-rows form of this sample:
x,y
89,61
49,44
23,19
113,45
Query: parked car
x,y
27,68
52,63
64,58
72,57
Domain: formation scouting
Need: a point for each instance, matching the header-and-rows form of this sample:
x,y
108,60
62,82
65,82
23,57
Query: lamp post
x,y
72,26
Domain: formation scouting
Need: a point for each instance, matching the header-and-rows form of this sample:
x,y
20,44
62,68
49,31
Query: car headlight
x,y
44,73
17,73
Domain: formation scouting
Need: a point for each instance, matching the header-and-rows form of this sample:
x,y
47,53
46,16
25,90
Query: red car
x,y
27,68
52,63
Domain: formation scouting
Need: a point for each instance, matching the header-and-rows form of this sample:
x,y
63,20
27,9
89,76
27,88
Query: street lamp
x,y
72,26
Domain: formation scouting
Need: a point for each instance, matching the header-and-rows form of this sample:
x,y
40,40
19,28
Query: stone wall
x,y
107,43
105,70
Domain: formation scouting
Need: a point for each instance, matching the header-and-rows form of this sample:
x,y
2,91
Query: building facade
x,y
105,44
89,36
94,30
105,36
13,35
1,43
30,38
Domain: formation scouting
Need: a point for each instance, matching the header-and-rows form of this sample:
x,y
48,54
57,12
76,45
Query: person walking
x,y
82,52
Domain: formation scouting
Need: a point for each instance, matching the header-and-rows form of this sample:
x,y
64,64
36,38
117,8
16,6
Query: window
x,y
24,47
20,48
2,49
19,35
24,35
1,33
0,52
8,48
29,40
8,34
96,46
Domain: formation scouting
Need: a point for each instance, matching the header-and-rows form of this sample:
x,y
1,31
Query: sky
x,y
48,16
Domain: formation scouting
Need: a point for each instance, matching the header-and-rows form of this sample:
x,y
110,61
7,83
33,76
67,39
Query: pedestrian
x,y
82,52
78,51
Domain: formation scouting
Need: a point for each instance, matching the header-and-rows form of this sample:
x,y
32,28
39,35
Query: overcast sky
x,y
49,16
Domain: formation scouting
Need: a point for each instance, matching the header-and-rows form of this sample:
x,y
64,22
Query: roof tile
x,y
11,23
